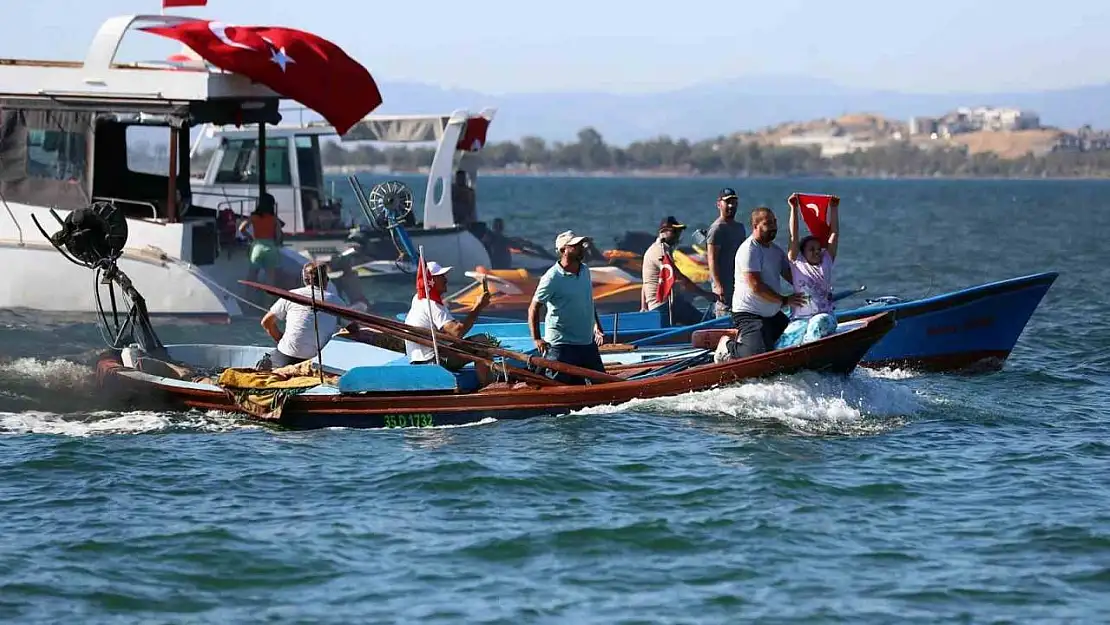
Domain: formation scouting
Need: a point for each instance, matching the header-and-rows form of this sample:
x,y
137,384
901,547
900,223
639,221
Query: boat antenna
x,y
422,270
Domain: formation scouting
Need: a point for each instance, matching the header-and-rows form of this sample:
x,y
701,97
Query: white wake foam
x,y
806,402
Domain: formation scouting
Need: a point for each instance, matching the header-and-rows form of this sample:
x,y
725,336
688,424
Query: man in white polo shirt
x,y
439,318
757,300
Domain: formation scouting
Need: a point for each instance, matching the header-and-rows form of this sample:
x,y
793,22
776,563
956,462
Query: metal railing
x,y
113,200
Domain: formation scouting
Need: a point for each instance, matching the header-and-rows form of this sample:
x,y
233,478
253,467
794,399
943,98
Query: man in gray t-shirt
x,y
721,241
761,267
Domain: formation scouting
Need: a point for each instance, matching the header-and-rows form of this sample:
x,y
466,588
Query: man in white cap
x,y
439,318
572,330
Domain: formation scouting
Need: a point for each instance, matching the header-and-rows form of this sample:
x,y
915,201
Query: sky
x,y
501,46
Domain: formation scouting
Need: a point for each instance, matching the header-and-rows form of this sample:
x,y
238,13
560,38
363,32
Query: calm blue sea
x,y
889,497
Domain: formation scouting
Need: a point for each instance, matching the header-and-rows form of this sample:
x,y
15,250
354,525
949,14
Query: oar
x,y
848,293
472,348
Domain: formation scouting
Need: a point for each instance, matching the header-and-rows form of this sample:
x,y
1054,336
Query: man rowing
x,y
658,262
572,329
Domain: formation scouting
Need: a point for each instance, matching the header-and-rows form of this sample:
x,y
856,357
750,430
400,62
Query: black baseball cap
x,y
727,193
670,222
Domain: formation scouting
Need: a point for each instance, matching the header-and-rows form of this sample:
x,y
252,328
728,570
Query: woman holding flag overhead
x,y
811,258
659,275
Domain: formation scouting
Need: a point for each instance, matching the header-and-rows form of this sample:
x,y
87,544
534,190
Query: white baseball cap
x,y
435,268
568,238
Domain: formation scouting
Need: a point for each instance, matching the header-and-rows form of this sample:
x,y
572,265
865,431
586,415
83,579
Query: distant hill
x,y
723,108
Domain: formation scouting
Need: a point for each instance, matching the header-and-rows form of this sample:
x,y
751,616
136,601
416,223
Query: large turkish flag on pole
x,y
298,65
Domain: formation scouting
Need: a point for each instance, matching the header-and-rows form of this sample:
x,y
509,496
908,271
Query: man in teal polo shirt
x,y
572,330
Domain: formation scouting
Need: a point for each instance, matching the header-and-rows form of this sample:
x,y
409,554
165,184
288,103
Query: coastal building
x,y
980,118
830,144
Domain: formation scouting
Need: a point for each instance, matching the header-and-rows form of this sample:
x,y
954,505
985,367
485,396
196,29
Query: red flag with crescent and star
x,y
425,287
474,136
666,279
815,212
296,64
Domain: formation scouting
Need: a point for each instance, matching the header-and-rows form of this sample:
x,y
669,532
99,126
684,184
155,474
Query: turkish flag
x,y
666,279
169,4
425,288
815,212
298,65
474,135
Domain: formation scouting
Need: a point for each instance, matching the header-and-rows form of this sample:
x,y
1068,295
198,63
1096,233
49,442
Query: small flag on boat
x,y
169,4
666,278
425,286
815,212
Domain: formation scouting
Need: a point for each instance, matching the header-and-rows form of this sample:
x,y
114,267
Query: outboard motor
x,y
94,237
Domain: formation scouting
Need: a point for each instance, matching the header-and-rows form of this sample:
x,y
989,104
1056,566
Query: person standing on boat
x,y
265,233
440,318
721,243
463,200
812,263
572,329
682,312
305,333
757,301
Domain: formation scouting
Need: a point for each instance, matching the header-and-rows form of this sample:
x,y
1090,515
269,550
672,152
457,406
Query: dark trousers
x,y
281,360
586,356
757,334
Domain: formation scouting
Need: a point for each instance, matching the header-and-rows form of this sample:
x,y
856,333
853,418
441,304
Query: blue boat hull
x,y
970,329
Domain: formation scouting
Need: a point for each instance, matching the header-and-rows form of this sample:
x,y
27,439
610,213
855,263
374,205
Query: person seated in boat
x,y
498,246
757,300
265,236
299,340
572,329
811,263
430,312
682,311
462,200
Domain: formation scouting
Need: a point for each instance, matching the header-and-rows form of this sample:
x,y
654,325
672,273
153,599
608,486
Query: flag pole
x,y
423,271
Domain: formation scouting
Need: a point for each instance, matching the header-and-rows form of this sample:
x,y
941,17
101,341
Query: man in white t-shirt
x,y
757,298
421,315
299,341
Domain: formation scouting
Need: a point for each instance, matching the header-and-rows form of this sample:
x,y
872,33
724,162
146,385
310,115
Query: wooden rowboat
x,y
397,394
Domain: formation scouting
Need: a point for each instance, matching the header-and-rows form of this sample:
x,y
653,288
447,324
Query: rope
x,y
212,282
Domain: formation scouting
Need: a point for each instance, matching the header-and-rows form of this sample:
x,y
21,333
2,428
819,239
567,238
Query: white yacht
x,y
65,129
317,225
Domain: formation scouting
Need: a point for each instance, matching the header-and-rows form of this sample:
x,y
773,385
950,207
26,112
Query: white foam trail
x,y
806,402
114,423
55,375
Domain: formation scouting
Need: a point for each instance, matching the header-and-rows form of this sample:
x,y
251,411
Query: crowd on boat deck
x,y
746,273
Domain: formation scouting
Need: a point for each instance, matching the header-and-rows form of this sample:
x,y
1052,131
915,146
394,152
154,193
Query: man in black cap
x,y
682,312
721,242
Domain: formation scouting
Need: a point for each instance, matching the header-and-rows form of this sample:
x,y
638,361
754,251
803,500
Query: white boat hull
x,y
47,281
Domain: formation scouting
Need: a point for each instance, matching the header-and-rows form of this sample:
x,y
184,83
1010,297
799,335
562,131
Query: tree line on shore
x,y
729,156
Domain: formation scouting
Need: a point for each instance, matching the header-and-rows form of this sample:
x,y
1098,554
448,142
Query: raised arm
x,y
834,226
793,251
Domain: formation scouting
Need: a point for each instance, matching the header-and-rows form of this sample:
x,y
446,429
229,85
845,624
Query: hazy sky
x,y
500,46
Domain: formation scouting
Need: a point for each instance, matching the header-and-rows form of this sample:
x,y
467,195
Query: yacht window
x,y
239,164
56,154
148,150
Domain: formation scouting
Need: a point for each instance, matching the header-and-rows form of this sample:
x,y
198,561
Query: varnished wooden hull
x,y
837,354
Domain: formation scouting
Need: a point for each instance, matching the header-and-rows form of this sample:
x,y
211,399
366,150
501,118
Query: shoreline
x,y
334,170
